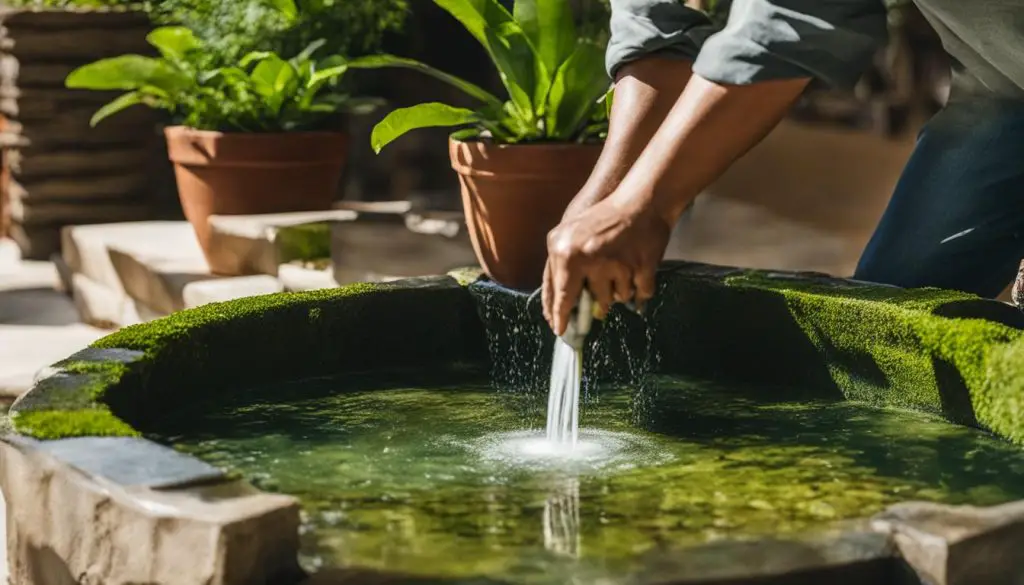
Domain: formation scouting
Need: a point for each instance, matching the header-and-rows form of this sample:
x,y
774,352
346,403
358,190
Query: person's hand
x,y
612,249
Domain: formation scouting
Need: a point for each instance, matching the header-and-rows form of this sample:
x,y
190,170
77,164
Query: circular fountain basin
x,y
756,426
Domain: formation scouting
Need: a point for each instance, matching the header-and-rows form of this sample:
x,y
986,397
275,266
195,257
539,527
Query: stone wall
x,y
68,172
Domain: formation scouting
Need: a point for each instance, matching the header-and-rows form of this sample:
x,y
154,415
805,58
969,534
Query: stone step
x,y
258,244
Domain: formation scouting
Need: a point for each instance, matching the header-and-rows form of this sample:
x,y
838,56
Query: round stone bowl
x,y
91,501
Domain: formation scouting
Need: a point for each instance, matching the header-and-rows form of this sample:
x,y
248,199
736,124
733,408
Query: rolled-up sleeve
x,y
645,27
831,41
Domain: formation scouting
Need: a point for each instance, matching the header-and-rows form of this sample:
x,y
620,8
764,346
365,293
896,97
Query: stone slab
x,y
155,276
296,277
958,545
131,462
247,244
10,256
100,306
66,527
217,290
380,246
85,247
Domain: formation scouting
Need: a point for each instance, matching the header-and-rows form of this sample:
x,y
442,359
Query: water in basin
x,y
454,479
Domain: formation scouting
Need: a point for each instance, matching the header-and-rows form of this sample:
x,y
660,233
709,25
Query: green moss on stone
x,y
467,275
896,347
310,241
152,336
62,424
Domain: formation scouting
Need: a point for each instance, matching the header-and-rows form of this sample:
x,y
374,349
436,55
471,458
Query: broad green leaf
x,y
128,72
379,61
518,65
120,103
287,8
550,27
578,86
427,115
173,42
317,81
276,80
255,57
228,73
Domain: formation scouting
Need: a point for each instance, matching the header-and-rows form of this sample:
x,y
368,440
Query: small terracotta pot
x,y
513,195
251,173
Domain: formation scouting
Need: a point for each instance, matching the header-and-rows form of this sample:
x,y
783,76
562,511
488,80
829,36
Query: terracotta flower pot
x,y
251,173
513,195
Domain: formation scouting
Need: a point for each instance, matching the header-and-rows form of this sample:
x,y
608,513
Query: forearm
x,y
710,127
645,92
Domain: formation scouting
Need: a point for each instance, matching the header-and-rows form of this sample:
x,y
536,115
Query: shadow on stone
x,y
953,393
982,309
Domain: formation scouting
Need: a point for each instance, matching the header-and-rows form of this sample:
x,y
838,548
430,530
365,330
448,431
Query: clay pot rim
x,y
182,130
490,144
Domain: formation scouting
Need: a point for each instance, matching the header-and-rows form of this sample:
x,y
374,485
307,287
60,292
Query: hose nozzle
x,y
580,321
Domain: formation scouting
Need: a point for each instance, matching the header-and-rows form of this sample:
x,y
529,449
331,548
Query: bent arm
x,y
746,77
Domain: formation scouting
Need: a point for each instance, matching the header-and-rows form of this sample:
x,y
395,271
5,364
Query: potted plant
x,y
520,160
262,135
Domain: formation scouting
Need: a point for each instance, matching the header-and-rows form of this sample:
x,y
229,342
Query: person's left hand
x,y
612,248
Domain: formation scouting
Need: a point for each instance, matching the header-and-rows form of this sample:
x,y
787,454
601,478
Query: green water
x,y
443,481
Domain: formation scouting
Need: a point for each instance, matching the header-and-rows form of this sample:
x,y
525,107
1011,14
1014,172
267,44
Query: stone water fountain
x,y
124,466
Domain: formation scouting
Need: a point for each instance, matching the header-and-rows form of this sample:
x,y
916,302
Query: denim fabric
x,y
956,218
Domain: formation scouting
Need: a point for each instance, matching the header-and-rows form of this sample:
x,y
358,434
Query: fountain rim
x,y
78,387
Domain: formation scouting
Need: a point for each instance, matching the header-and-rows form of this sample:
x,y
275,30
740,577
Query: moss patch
x,y
60,424
309,241
895,347
228,346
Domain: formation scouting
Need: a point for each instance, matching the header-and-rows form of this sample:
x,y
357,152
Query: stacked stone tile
x,y
67,172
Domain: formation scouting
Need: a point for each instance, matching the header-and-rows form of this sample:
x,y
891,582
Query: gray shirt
x,y
832,41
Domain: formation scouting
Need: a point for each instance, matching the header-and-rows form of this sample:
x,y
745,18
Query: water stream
x,y
564,395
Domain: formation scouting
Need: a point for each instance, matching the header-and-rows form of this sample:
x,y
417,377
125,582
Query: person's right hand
x,y
612,248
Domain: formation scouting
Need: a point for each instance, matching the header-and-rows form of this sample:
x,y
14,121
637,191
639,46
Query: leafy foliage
x,y
230,29
554,77
74,3
260,93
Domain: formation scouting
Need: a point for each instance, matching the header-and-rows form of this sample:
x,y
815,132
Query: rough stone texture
x,y
296,277
202,292
130,461
850,555
958,545
66,527
381,245
156,273
248,244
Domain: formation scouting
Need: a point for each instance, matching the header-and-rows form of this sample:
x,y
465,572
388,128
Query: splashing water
x,y
564,394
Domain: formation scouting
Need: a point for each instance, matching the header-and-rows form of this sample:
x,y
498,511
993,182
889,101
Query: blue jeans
x,y
956,219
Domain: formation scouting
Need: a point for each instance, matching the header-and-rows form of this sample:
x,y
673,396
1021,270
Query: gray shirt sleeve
x,y
832,41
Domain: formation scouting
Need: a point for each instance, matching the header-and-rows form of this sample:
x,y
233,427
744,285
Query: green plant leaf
x,y
128,72
287,8
255,57
380,61
317,81
427,115
276,80
518,65
578,86
116,105
550,27
173,42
